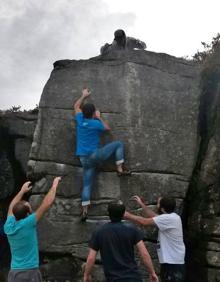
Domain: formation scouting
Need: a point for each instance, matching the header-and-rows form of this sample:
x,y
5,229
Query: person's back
x,y
22,237
170,244
88,132
116,241
20,228
170,236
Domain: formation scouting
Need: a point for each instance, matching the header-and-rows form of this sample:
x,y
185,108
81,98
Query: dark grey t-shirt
x,y
116,242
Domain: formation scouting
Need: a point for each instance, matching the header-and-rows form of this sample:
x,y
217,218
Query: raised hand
x,y
127,215
56,181
26,187
97,114
85,92
138,200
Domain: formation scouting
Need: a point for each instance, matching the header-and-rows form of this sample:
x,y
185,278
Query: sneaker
x,y
124,173
84,217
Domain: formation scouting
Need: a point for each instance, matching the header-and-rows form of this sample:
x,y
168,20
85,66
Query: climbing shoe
x,y
84,217
124,173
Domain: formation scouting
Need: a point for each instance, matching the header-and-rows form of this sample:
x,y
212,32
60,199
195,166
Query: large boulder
x,y
203,227
151,102
6,177
16,134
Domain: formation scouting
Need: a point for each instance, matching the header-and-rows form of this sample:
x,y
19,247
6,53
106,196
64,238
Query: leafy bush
x,y
209,50
14,109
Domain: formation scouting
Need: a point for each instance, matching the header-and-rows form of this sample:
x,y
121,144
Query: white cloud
x,y
34,34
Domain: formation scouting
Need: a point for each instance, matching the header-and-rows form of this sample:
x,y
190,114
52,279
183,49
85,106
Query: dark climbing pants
x,y
172,272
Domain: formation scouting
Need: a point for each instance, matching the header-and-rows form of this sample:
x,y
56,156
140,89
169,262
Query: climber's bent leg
x,y
115,149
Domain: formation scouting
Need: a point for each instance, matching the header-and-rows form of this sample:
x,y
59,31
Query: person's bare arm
x,y
140,44
89,265
148,212
24,189
143,252
139,219
48,199
98,116
134,43
78,103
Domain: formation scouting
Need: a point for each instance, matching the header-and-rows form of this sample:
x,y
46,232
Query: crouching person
x,y
20,228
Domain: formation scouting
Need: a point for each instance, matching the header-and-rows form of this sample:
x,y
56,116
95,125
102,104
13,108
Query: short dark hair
x,y
88,110
116,211
119,33
120,37
168,204
20,210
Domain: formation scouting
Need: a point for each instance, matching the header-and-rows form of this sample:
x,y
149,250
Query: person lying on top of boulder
x,y
89,127
122,42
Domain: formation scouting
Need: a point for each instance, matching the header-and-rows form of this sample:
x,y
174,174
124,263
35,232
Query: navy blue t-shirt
x,y
116,242
88,133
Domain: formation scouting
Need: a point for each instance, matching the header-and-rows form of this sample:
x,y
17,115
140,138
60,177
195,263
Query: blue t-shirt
x,y
22,237
88,133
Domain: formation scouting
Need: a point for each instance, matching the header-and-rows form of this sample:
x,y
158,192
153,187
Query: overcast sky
x,y
35,33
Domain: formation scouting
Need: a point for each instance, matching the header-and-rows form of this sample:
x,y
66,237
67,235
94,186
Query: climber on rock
x,y
122,42
89,127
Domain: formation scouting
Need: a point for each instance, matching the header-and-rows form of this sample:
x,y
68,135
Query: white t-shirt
x,y
171,248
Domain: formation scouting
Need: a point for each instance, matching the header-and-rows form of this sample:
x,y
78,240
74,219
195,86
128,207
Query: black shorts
x,y
172,272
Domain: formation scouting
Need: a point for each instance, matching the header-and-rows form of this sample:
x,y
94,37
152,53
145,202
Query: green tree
x,y
209,50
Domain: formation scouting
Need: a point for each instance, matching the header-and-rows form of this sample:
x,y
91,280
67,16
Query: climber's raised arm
x,y
48,199
133,43
78,103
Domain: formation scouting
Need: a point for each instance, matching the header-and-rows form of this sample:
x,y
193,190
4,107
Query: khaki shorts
x,y
29,275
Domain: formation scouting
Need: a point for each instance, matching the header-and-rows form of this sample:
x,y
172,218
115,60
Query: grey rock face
x,y
151,101
6,177
16,133
204,197
62,269
20,124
